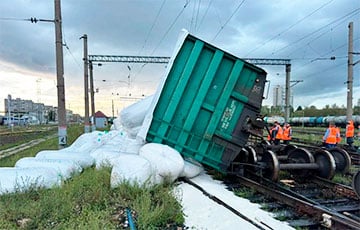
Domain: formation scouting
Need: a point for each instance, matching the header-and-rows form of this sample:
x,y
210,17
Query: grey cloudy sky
x,y
307,32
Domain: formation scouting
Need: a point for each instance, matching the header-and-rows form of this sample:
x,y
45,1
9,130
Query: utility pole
x,y
62,132
349,110
86,85
93,125
287,92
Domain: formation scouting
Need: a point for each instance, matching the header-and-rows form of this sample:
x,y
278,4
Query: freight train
x,y
314,121
207,107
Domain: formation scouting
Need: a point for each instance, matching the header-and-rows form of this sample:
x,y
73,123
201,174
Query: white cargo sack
x,y
103,157
131,168
83,159
131,146
166,161
191,169
22,179
133,115
65,168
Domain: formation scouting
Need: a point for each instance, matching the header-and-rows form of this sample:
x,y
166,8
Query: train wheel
x,y
247,159
265,143
356,183
342,159
288,149
252,158
326,163
300,156
272,166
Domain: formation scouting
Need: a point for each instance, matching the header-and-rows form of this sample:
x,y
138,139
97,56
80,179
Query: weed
x,y
244,192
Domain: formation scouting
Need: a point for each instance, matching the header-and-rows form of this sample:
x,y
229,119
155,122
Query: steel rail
x,y
219,201
328,218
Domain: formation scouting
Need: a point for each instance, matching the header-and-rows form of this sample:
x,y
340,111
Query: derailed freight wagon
x,y
205,104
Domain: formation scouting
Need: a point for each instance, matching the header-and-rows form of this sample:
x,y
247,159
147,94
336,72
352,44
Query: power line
x,y
317,30
13,19
152,26
148,35
68,49
172,24
206,11
319,36
223,26
290,27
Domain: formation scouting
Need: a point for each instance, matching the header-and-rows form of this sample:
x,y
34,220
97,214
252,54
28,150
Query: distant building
x,y
43,113
100,120
278,96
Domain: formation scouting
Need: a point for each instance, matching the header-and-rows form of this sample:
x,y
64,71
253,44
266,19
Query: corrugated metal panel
x,y
205,103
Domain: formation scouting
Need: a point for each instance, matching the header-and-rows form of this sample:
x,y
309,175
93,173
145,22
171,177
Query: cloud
x,y
261,29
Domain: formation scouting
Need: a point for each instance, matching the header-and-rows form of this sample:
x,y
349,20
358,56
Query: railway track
x,y
11,151
223,203
310,201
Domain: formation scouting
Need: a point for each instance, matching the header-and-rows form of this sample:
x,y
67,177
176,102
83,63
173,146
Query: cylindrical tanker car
x,y
322,121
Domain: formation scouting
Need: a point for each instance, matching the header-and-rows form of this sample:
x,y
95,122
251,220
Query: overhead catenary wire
x,y
227,21
344,20
206,11
152,26
317,30
323,55
68,49
170,27
148,36
288,28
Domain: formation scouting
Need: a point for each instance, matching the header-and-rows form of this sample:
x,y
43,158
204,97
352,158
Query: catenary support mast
x,y
62,130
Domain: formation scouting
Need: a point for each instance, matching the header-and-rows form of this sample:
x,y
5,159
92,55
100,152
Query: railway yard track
x,y
315,204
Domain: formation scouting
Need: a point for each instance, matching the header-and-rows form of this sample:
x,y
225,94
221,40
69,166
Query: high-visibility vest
x,y
270,133
287,133
350,130
279,134
338,135
331,138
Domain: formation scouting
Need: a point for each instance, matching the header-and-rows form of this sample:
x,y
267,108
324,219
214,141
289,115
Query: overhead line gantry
x,y
165,60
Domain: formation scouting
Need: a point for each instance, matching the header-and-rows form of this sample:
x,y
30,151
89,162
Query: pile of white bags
x,y
14,179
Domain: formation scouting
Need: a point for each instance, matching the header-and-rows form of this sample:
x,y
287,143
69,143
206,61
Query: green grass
x,y
244,192
73,132
23,135
87,201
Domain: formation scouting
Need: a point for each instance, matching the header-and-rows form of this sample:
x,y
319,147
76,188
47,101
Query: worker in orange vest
x,y
270,137
331,136
277,133
338,135
287,133
349,133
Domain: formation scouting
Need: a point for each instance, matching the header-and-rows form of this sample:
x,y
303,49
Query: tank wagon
x,y
315,121
208,108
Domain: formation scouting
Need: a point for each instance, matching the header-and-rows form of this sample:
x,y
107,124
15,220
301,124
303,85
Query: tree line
x,y
311,111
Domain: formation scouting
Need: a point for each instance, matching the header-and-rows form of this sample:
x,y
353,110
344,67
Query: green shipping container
x,y
206,102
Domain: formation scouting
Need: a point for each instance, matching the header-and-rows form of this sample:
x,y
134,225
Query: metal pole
x,y
287,92
349,110
9,108
62,132
93,121
86,85
112,106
